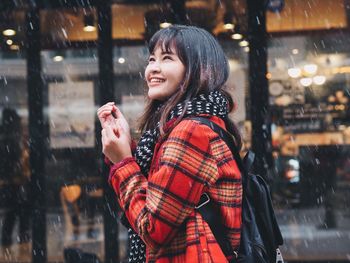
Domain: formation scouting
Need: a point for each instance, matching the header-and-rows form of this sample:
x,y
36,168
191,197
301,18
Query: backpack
x,y
260,233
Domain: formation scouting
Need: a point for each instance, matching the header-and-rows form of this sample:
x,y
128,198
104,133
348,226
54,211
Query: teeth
x,y
156,80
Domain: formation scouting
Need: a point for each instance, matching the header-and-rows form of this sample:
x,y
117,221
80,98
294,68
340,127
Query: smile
x,y
156,80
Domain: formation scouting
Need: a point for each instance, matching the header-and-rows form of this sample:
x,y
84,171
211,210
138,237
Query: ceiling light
x,y
228,21
89,28
294,72
9,32
244,43
89,23
57,58
310,68
237,36
9,42
14,47
246,49
295,51
164,24
121,60
306,81
229,26
319,80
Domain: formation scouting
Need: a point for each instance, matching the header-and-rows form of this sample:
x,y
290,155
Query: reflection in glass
x,y
309,94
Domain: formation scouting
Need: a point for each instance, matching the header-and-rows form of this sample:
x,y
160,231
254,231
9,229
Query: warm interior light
x,y
244,43
121,60
228,21
341,70
294,72
9,32
295,51
14,47
9,42
89,23
57,58
319,80
310,68
246,49
89,28
237,36
229,26
164,24
306,81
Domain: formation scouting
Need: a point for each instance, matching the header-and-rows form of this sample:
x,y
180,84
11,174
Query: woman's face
x,y
164,74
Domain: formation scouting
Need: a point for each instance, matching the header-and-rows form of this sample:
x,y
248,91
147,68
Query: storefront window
x,y
309,99
237,86
74,186
15,211
74,191
59,26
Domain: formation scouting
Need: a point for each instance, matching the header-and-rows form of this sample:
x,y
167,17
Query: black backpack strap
x,y
209,213
248,160
206,208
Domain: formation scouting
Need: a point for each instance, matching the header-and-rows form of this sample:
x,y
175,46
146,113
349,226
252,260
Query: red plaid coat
x,y
192,160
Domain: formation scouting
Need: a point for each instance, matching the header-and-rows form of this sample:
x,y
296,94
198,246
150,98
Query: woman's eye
x,y
167,57
151,59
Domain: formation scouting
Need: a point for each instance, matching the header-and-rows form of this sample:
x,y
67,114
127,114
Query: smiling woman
x,y
164,73
160,183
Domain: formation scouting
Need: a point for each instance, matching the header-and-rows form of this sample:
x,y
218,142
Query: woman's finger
x,y
118,113
104,110
107,107
109,104
104,114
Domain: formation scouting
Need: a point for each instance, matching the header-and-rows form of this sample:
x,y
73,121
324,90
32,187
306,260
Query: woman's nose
x,y
154,67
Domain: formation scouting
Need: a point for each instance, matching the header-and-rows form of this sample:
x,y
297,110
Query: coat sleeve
x,y
157,208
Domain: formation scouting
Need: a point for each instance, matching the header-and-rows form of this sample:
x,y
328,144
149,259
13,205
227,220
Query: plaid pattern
x,y
193,159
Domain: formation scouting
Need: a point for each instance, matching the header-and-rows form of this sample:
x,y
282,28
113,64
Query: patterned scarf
x,y
214,104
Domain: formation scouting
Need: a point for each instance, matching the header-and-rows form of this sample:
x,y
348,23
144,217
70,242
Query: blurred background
x,y
61,59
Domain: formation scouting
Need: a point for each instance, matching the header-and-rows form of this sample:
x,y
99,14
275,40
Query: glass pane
x,y
309,97
237,85
74,186
15,215
68,25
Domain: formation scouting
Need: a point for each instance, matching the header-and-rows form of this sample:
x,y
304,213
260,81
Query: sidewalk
x,y
304,241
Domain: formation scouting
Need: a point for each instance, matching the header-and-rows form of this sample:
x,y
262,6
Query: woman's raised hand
x,y
105,115
116,137
116,147
110,115
122,123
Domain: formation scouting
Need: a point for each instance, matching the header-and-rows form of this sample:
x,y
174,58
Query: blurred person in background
x,y
15,177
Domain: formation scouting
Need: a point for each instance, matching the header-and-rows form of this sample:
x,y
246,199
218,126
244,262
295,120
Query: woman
x,y
177,159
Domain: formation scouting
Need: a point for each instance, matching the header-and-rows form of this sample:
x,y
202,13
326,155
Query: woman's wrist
x,y
118,165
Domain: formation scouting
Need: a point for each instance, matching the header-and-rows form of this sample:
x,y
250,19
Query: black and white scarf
x,y
213,104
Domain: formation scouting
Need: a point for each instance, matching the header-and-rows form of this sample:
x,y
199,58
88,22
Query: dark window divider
x,y
36,136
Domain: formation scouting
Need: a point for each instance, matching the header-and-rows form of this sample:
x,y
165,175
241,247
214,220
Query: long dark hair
x,y
207,70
